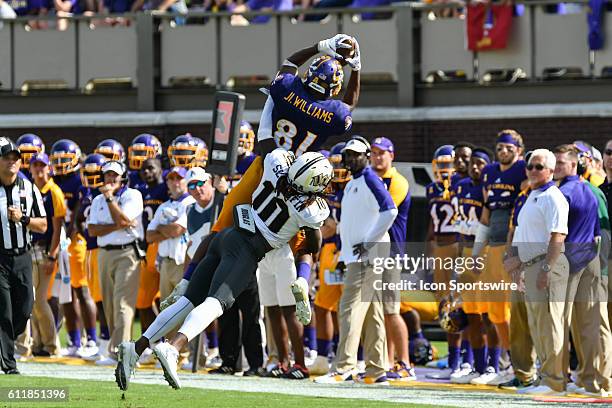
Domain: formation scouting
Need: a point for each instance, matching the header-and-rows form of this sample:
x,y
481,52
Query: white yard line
x,y
438,397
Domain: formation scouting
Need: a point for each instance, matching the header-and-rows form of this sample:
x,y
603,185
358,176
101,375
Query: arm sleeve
x,y
380,193
133,206
382,225
264,131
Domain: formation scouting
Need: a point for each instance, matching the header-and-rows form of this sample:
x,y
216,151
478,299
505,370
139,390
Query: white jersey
x,y
278,219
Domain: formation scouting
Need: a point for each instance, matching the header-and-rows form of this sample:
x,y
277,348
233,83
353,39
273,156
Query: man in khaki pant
x,y
116,220
541,230
169,228
365,198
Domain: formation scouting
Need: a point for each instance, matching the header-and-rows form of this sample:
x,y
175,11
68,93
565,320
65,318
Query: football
x,y
347,52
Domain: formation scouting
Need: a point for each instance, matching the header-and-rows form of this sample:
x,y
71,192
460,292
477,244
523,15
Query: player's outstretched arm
x,y
328,46
351,96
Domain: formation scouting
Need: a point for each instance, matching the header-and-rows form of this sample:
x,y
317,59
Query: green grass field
x,y
104,394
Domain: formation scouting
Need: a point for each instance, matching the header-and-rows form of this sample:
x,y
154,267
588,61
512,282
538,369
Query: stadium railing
x,y
405,51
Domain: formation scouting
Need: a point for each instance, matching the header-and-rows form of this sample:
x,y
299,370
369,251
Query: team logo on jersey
x,y
348,122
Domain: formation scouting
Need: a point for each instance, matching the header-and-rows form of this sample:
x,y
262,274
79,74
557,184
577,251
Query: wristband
x,y
51,258
109,199
25,220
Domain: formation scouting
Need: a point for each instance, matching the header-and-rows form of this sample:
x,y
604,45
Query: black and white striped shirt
x,y
23,193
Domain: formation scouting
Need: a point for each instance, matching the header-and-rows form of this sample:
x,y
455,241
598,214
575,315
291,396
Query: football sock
x,y
168,319
494,354
324,346
454,356
201,317
91,334
480,359
75,337
213,339
310,337
466,352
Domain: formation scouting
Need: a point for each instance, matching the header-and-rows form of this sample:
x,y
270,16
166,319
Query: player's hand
x,y
355,61
178,291
330,45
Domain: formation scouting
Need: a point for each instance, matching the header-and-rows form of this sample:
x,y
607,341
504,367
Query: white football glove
x,y
330,45
355,62
178,291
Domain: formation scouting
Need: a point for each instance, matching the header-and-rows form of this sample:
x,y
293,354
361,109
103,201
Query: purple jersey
x,y
301,123
441,209
152,198
86,196
503,187
134,180
468,203
70,185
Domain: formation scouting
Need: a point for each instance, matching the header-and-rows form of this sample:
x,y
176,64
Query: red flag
x,y
488,26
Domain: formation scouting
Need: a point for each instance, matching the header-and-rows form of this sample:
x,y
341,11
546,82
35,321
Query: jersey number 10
x,y
271,209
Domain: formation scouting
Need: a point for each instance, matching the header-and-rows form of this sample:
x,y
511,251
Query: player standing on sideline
x,y
81,312
154,192
286,200
463,152
383,153
441,235
469,201
503,181
143,147
111,149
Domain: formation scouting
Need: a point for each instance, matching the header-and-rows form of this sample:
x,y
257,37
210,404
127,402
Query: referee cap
x,y
7,146
113,166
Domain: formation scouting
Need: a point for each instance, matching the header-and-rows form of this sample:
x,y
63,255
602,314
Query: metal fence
x,y
402,49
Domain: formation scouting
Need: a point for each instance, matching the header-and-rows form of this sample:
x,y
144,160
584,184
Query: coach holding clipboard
x,y
21,212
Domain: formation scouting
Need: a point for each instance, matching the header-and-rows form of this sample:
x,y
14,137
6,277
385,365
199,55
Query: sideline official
x,y
21,212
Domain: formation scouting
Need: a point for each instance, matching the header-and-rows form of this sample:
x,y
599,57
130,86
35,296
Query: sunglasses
x,y
608,152
538,167
196,184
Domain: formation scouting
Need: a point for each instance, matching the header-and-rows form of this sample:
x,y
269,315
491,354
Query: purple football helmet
x,y
91,170
29,144
143,147
111,149
65,156
325,76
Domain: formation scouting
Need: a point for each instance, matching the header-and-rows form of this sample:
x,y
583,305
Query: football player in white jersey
x,y
288,199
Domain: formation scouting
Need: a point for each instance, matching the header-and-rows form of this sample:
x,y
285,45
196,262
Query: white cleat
x,y
167,355
126,364
90,349
485,378
464,370
299,288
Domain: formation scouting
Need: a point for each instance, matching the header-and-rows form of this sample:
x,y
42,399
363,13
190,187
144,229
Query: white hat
x,y
113,166
356,145
597,154
197,174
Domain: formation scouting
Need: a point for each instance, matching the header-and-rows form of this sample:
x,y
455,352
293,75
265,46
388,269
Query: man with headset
x,y
116,220
365,198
